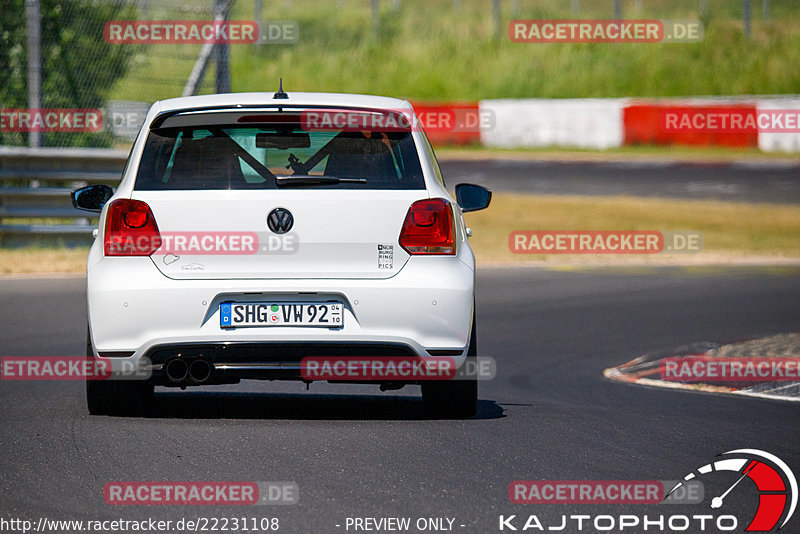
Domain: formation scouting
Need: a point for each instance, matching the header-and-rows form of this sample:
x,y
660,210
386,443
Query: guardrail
x,y
35,186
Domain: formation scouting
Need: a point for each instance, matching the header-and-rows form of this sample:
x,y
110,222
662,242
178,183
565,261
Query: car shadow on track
x,y
213,405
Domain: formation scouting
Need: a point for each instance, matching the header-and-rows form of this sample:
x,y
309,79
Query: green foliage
x,y
427,51
78,66
13,58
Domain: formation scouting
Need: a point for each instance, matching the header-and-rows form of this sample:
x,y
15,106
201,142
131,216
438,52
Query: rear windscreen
x,y
254,157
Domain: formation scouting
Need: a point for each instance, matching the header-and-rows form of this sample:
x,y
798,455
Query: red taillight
x,y
131,229
428,228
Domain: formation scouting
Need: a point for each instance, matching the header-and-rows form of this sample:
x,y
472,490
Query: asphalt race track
x,y
745,181
548,415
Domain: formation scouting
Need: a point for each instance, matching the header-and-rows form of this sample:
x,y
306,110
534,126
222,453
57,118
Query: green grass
x,y
427,51
43,260
731,230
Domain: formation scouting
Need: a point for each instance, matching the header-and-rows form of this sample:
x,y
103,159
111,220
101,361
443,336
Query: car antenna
x,y
280,95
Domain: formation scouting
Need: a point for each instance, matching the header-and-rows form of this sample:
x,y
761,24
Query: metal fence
x,y
54,55
35,206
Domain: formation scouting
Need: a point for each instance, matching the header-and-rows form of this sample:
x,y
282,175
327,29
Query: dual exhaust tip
x,y
180,371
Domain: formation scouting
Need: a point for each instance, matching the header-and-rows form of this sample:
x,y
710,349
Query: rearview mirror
x,y
283,140
472,197
92,197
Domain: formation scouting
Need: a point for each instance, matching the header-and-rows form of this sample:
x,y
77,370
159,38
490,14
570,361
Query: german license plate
x,y
324,314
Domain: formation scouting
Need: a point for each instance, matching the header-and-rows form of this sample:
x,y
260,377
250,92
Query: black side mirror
x,y
472,197
91,197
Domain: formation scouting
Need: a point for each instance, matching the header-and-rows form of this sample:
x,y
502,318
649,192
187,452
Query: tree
x,y
78,66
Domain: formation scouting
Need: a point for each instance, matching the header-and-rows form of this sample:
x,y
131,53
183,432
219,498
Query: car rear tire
x,y
452,399
117,397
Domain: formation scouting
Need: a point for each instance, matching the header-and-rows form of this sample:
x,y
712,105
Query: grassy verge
x,y
731,231
757,233
429,50
43,260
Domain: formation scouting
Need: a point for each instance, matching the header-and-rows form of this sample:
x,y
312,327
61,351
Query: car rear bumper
x,y
134,309
231,361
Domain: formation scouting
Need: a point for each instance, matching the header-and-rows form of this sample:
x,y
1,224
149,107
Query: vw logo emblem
x,y
280,220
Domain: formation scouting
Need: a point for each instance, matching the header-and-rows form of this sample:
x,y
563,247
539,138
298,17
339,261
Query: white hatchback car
x,y
252,232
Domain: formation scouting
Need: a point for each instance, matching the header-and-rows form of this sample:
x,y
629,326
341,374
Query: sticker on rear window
x,y
385,256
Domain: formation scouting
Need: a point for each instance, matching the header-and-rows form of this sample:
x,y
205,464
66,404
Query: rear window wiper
x,y
306,179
